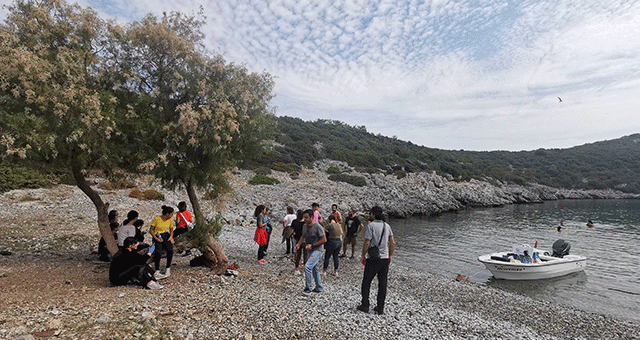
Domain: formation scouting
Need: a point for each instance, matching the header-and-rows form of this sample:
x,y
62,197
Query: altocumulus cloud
x,y
475,75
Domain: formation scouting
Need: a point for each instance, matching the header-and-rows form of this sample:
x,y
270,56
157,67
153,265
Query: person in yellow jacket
x,y
162,233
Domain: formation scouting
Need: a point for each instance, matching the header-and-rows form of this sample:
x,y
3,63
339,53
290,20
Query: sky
x,y
472,75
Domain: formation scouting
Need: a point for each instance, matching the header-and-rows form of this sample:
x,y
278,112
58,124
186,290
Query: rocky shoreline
x,y
53,287
416,194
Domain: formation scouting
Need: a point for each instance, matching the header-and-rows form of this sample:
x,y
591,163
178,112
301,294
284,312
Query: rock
x,y
230,272
54,312
25,337
103,318
5,252
121,295
43,334
55,324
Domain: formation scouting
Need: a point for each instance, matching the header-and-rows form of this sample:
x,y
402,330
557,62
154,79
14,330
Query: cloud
x,y
468,74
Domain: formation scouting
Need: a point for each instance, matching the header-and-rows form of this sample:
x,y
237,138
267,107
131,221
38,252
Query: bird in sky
x,y
560,99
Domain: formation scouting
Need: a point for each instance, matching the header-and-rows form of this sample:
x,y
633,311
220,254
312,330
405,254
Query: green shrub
x,y
401,174
353,180
153,195
207,228
261,179
291,168
120,183
12,177
332,170
263,170
369,170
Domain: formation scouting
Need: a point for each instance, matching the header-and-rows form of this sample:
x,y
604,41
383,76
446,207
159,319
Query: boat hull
x,y
548,268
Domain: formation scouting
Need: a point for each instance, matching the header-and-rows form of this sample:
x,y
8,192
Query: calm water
x,y
450,244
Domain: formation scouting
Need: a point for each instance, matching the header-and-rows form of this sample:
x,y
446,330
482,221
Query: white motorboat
x,y
529,263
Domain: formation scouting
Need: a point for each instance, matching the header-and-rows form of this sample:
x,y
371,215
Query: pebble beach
x,y
54,287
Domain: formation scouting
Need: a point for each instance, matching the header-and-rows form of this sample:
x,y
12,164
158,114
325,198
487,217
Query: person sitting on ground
x,y
140,235
129,266
103,252
127,229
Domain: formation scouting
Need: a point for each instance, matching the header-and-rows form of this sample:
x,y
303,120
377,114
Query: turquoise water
x,y
450,244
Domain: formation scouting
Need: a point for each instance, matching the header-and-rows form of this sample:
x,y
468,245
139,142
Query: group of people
x,y
311,238
131,262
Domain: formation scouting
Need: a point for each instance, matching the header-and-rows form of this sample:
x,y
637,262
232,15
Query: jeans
x,y
371,269
333,249
311,269
165,245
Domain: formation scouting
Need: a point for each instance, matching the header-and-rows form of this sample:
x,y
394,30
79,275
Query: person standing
x,y
269,228
287,230
162,233
378,235
335,213
351,228
333,245
259,214
313,237
297,226
317,218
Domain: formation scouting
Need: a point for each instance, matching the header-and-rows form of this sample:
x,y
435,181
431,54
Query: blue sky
x,y
473,75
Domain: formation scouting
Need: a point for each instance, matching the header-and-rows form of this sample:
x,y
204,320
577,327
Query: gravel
x,y
52,286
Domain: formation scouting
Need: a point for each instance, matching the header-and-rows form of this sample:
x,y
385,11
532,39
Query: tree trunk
x,y
215,257
101,207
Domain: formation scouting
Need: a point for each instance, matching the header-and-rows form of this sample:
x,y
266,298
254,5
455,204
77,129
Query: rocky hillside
x,y
418,193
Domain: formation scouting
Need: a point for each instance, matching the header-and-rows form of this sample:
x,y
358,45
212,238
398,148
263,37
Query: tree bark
x,y
101,207
213,252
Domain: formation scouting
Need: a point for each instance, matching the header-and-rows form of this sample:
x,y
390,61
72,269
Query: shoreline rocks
x,y
416,194
56,286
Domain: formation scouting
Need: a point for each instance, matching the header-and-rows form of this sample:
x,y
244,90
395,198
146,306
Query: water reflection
x,y
450,244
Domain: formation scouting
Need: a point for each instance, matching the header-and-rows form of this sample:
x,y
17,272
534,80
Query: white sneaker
x,y
160,276
167,272
154,285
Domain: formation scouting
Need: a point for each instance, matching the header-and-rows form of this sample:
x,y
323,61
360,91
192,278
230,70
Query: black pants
x,y
262,251
165,245
179,231
289,245
140,274
371,269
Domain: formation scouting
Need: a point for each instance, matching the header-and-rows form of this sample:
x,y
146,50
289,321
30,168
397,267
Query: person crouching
x,y
129,266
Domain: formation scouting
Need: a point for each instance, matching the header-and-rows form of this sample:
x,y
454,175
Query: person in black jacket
x,y
129,266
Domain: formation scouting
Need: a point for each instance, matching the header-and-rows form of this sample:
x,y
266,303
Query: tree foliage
x,y
611,164
80,92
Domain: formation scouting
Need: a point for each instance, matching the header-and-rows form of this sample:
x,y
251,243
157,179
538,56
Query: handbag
x,y
190,225
260,236
374,251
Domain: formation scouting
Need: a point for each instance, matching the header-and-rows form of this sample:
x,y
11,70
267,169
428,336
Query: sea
x,y
449,244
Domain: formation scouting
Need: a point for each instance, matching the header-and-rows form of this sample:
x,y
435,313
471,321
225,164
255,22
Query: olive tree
x,y
53,109
198,107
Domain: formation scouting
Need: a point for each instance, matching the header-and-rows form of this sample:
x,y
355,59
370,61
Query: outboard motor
x,y
561,248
